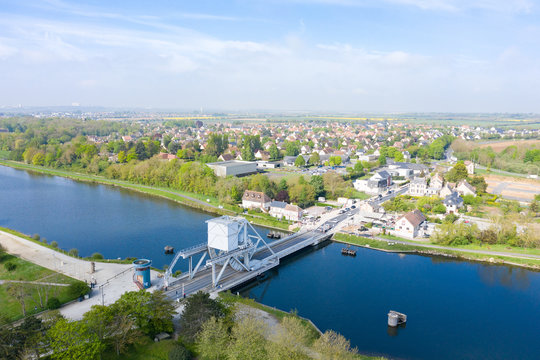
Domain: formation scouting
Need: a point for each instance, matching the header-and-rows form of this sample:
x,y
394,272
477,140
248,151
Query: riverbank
x,y
402,246
196,201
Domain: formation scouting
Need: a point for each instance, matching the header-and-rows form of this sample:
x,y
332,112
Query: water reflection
x,y
507,276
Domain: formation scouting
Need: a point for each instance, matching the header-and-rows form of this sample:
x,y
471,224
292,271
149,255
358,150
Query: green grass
x,y
372,243
27,271
146,349
4,154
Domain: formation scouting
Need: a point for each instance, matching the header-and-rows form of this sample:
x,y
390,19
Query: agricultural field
x,y
513,188
499,146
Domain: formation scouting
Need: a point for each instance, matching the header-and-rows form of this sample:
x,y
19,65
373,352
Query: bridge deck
x,y
231,278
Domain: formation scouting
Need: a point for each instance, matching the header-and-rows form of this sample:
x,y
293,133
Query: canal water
x,y
456,309
115,222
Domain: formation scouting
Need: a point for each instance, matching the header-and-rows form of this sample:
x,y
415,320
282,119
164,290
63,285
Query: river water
x,y
456,309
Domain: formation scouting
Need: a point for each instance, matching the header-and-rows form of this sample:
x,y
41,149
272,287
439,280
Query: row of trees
x,y
221,331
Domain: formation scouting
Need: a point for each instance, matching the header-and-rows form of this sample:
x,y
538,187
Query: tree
x,y
457,173
290,340
140,150
274,152
332,345
247,153
20,292
315,158
479,183
300,161
213,339
248,339
72,340
38,159
199,308
334,184
534,207
179,352
292,149
152,312
78,289
318,185
382,160
122,157
283,195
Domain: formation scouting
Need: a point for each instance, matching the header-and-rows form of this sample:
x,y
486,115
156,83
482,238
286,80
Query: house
x,y
289,160
255,200
464,188
280,209
376,184
437,181
165,156
418,187
409,224
453,203
470,167
263,155
445,190
226,157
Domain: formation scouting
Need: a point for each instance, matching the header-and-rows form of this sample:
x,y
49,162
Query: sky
x,y
273,55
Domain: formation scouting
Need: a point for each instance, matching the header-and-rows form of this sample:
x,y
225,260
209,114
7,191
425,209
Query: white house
x,y
280,209
470,167
418,187
409,224
464,188
255,200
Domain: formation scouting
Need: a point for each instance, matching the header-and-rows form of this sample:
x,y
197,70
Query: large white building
x,y
233,167
409,224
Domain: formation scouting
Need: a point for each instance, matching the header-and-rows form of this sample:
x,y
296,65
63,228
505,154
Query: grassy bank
x,y
22,270
372,243
198,201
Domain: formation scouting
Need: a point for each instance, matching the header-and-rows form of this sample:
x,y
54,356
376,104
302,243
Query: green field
x,y
26,271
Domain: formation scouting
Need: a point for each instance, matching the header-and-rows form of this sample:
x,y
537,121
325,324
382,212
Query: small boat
x,y
348,251
169,250
277,236
270,235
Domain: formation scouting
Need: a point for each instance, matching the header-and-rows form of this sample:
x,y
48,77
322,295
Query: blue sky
x,y
296,55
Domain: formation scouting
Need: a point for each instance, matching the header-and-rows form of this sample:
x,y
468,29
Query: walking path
x,y
31,282
115,278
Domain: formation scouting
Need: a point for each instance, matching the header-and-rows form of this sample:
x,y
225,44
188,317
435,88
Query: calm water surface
x,y
456,310
98,218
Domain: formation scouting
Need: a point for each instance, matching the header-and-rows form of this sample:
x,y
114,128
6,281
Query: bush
x,y
54,244
179,353
53,303
44,240
36,237
97,256
74,252
10,266
78,289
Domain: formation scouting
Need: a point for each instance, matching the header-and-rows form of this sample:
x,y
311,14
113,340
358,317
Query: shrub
x,y
10,266
44,240
53,303
97,256
78,289
36,237
54,244
74,252
178,352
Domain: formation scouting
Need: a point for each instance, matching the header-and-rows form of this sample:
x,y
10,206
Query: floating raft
x,y
273,236
169,249
349,252
396,318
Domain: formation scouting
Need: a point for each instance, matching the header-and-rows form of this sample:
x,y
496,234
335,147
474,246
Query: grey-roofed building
x,y
453,203
233,167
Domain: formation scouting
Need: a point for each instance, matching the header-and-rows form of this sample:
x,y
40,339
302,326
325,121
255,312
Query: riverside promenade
x,y
115,278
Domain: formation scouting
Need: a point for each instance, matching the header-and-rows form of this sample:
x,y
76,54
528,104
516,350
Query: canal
x,y
456,309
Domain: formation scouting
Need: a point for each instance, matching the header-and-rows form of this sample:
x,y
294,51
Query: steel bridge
x,y
224,270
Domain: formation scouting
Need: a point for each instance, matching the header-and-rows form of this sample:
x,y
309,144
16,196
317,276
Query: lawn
x,y
27,271
146,349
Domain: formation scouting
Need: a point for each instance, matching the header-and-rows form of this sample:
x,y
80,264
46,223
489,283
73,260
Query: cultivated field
x,y
499,146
